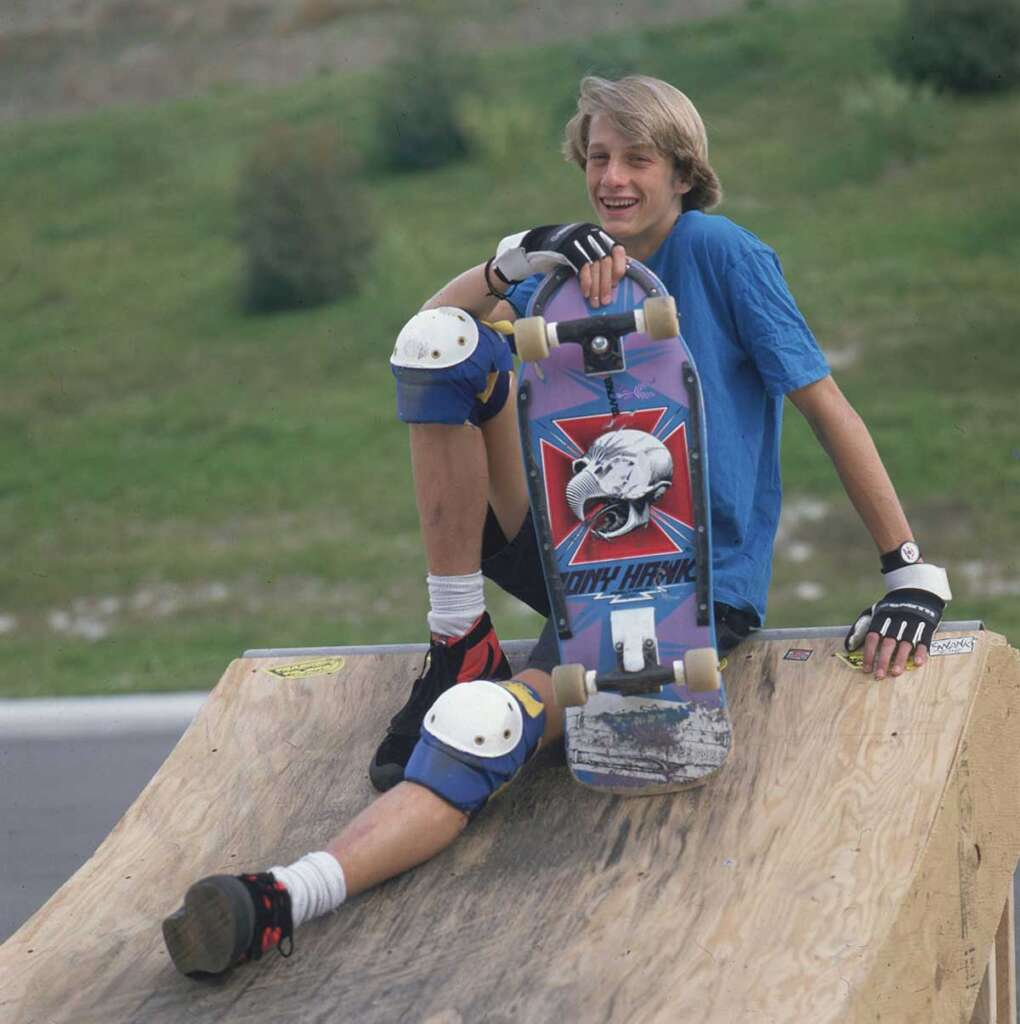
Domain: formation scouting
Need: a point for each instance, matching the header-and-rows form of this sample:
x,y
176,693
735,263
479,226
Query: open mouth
x,y
617,205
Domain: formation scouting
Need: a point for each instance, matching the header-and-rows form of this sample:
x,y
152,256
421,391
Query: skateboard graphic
x,y
613,436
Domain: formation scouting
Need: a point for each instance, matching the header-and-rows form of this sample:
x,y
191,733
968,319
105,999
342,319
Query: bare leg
x,y
410,824
450,484
406,826
456,470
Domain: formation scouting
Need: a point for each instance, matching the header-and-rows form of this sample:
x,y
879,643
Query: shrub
x,y
417,116
963,46
303,221
899,122
500,133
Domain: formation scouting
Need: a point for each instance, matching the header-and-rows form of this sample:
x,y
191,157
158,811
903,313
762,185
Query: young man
x,y
643,149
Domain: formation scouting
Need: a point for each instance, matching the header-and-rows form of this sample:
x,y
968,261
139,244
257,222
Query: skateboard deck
x,y
614,449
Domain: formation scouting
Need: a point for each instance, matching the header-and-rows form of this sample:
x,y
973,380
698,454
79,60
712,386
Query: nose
x,y
615,175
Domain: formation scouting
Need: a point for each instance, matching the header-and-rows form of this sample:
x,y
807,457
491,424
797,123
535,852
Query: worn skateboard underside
x,y
652,742
634,745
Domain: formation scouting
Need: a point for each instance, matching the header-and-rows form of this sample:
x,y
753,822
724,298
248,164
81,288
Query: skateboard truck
x,y
600,337
698,671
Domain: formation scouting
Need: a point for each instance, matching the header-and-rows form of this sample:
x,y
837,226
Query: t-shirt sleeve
x,y
771,328
520,294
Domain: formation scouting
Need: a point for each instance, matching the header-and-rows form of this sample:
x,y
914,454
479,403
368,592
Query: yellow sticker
x,y
533,707
855,659
308,669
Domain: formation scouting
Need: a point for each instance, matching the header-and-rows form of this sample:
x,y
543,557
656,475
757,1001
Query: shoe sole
x,y
213,928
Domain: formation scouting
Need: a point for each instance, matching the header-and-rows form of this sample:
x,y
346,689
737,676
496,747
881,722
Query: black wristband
x,y
488,282
908,553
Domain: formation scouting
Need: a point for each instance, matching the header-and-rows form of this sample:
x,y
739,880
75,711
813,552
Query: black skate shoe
x,y
477,655
227,920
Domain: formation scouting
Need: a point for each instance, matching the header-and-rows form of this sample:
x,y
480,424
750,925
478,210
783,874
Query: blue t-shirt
x,y
751,346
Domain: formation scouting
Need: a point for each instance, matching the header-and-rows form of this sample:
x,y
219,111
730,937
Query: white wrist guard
x,y
922,576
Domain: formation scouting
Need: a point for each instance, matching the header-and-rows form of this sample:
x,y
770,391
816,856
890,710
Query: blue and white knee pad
x,y
475,738
450,368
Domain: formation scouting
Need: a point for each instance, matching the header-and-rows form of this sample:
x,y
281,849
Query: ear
x,y
680,185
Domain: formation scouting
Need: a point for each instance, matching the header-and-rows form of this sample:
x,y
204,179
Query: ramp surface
x,y
850,863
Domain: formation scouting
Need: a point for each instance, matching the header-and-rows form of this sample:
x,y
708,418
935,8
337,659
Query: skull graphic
x,y
619,478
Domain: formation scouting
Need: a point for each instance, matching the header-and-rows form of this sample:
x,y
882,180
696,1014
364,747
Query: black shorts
x,y
515,566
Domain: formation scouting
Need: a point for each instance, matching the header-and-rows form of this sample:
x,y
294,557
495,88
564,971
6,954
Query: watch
x,y
908,553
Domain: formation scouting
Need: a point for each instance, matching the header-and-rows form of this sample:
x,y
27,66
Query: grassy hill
x,y
179,481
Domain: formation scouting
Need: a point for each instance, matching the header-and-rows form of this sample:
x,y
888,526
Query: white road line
x,y
98,716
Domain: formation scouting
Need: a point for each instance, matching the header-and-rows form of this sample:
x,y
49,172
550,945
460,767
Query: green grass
x,y
179,481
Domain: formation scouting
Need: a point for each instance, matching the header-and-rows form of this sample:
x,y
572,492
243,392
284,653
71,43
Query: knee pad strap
x,y
475,739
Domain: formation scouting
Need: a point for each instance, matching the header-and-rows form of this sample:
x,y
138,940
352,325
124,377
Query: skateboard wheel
x,y
532,341
569,685
701,669
661,320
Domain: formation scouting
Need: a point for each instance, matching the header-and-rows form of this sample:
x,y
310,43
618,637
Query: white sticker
x,y
952,645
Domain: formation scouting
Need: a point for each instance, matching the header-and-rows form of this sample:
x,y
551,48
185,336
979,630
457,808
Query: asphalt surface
x,y
62,793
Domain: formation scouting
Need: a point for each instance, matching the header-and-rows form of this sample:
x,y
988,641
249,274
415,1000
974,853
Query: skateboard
x,y
613,438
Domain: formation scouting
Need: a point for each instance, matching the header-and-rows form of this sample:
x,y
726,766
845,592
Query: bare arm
x,y
470,291
846,440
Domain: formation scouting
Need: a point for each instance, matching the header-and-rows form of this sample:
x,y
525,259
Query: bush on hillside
x,y
417,115
962,46
498,133
303,221
899,122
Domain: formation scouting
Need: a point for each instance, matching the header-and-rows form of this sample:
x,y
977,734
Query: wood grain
x,y
851,863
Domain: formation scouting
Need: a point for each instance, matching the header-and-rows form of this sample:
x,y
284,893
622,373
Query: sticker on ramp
x,y
797,654
855,659
952,645
308,669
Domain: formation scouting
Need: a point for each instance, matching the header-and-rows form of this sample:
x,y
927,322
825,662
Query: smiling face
x,y
633,188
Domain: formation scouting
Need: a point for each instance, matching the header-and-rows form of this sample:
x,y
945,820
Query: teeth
x,y
619,204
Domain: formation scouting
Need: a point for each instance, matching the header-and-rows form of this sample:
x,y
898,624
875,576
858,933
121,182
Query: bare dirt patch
x,y
71,56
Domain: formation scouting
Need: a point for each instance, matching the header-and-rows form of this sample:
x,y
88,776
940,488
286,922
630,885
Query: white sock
x,y
316,885
455,602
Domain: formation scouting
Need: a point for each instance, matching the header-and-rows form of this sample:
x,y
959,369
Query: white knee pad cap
x,y
479,718
435,339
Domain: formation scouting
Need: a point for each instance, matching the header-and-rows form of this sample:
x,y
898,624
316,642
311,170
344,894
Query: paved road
x,y
65,780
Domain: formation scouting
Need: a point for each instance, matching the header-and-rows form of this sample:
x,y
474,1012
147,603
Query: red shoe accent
x,y
480,660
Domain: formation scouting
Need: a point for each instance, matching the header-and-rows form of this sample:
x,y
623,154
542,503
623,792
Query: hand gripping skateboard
x,y
613,435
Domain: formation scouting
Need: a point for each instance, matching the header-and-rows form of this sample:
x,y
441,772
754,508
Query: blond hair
x,y
654,113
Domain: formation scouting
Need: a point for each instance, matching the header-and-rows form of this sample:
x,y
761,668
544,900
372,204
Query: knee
x,y
475,738
450,368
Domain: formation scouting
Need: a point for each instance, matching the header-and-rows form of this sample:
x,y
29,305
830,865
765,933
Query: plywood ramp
x,y
851,863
